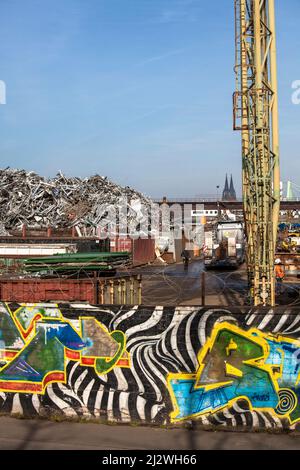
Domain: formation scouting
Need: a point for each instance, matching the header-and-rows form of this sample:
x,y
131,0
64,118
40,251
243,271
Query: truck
x,y
225,245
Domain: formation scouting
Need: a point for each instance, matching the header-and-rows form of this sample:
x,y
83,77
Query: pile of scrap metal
x,y
76,264
61,202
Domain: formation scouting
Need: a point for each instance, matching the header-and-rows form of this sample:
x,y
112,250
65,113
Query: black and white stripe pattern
x,y
160,340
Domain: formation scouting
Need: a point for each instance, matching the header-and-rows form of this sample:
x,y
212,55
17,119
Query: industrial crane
x,y
255,105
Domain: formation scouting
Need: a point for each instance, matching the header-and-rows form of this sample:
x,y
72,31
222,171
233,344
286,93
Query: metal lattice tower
x,y
256,116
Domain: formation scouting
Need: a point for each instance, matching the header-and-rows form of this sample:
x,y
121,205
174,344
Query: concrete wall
x,y
158,365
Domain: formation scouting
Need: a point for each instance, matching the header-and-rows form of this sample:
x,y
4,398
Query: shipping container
x,y
122,290
35,249
120,244
142,249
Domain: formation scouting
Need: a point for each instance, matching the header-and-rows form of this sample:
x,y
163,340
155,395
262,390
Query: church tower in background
x,y
229,193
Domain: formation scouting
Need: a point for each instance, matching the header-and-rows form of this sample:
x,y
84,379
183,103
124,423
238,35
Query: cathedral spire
x,y
229,193
225,194
232,190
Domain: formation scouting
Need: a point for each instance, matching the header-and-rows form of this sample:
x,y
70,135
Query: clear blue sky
x,y
137,90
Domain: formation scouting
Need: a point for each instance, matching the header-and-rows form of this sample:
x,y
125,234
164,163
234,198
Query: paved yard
x,y
23,434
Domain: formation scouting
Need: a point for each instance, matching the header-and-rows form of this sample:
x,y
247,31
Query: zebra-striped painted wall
x,y
234,367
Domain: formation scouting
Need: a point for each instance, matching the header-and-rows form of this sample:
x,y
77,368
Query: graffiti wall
x,y
156,365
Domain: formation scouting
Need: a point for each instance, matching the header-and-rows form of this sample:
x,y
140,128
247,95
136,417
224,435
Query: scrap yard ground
x,y
47,435
172,285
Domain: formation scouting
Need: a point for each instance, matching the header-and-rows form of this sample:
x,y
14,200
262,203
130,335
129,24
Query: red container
x,y
143,251
120,244
40,290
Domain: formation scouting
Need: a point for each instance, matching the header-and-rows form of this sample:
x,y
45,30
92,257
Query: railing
x,y
191,199
209,199
121,291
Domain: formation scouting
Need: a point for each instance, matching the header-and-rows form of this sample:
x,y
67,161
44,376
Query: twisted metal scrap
x,y
60,202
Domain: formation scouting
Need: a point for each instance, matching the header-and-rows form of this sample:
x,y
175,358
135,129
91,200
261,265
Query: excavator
x,y
255,115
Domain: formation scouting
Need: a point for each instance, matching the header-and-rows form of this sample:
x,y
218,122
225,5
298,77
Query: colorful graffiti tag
x,y
235,367
35,342
262,368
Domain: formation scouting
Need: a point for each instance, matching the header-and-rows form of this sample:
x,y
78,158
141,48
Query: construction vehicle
x,y
288,243
255,106
225,245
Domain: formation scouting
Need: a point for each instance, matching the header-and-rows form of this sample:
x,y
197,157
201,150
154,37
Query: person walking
x,y
185,258
279,275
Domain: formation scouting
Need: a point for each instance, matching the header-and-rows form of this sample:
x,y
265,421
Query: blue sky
x,y
136,90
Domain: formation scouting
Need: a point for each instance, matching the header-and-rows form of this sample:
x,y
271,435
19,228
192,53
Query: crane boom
x,y
256,116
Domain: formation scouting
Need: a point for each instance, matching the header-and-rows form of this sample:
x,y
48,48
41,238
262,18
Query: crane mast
x,y
256,116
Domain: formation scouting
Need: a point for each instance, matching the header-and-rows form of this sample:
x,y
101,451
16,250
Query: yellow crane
x,y
255,105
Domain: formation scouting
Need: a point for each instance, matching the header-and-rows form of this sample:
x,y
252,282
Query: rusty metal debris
x,y
27,198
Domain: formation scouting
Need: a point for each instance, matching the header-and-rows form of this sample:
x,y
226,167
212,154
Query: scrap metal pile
x,y
60,202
